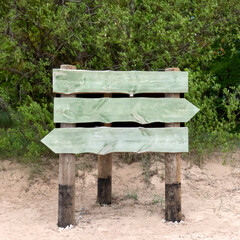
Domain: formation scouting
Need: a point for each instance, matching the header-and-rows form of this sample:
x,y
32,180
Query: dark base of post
x,y
173,210
66,206
104,190
66,194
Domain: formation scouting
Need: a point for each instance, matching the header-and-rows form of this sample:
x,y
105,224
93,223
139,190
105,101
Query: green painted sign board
x,y
104,140
143,110
131,82
108,110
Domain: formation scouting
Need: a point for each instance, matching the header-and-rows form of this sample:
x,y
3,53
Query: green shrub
x,y
215,127
31,122
37,36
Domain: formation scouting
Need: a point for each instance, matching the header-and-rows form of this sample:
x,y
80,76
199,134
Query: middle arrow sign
x,y
107,110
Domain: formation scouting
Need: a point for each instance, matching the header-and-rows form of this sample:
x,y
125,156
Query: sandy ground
x,y
210,201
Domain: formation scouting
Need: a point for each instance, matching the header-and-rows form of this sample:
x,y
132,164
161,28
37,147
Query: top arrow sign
x,y
131,82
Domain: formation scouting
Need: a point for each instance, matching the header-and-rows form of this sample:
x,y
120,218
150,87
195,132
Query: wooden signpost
x,y
104,189
66,193
173,206
171,139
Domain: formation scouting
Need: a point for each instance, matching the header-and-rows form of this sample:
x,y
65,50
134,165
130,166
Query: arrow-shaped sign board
x,y
104,140
142,110
107,110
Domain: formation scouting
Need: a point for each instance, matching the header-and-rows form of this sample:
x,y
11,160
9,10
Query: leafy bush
x,y
37,36
31,123
215,127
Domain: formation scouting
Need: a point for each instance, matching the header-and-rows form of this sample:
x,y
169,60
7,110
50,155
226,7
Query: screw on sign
x,y
108,108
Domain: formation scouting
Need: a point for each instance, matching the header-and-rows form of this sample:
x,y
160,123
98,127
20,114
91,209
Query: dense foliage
x,y
198,36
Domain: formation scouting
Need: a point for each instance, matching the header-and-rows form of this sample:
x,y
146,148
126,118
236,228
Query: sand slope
x,y
210,201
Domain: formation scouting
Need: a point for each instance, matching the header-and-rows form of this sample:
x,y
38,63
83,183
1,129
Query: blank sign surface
x,y
103,140
131,82
108,110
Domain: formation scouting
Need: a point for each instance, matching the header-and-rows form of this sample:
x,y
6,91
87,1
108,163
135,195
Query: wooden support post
x,y
66,198
104,194
173,211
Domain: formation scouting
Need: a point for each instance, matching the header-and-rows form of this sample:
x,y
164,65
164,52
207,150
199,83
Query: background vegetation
x,y
198,36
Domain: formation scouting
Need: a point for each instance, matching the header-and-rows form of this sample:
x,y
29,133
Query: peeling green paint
x,y
104,140
107,110
131,82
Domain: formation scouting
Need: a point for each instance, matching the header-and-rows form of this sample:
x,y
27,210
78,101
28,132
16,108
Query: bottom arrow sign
x,y
104,140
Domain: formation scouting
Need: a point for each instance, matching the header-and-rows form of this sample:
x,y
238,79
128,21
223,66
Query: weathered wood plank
x,y
104,140
173,207
104,190
107,110
131,82
66,190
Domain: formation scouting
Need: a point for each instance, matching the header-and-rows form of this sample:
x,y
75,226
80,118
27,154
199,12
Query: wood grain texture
x,y
104,192
104,166
131,82
67,169
172,166
173,211
104,140
66,192
107,110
